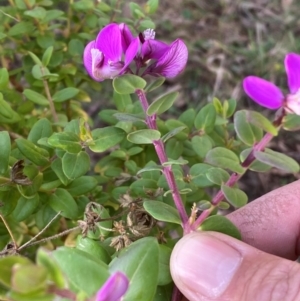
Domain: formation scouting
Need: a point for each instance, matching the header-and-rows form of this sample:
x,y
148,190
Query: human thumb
x,y
213,266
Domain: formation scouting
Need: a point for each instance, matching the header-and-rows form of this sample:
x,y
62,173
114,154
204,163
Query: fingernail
x,y
204,264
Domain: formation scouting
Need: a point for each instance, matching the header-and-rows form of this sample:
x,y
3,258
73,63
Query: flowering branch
x,y
260,146
167,170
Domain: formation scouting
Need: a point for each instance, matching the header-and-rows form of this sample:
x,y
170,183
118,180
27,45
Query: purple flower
x,y
269,95
170,60
111,53
115,48
114,288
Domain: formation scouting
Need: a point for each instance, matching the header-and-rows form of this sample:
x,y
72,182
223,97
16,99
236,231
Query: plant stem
x,y
260,146
49,97
167,170
9,231
40,233
53,237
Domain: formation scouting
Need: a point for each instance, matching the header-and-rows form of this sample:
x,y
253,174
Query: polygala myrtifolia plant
x,y
121,218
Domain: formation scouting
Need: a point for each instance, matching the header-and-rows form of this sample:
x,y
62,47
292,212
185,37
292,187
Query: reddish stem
x,y
260,146
167,170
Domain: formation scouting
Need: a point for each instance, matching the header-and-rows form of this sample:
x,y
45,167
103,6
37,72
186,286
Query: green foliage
x,y
221,224
162,212
107,180
140,262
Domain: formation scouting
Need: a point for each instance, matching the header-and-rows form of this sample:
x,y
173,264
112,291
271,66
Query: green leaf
x,y
278,160
143,136
21,28
122,101
236,197
75,47
36,97
75,165
173,124
7,114
106,138
28,278
128,84
56,166
25,207
205,119
83,5
247,132
162,104
136,10
164,275
42,128
174,148
224,158
291,122
65,94
82,185
204,205
151,6
175,162
140,187
150,168
229,107
9,201
4,78
44,215
44,259
130,117
40,72
35,154
47,56
93,247
61,200
198,175
217,175
67,141
188,117
202,145
7,264
53,14
37,13
255,165
261,122
83,271
162,212
172,133
220,224
35,59
5,147
155,84
139,262
45,40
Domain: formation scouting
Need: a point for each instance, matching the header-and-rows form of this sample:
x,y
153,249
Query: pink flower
x,y
103,57
115,48
269,95
114,288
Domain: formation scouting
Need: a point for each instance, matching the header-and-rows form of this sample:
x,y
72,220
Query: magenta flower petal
x,y
109,41
131,52
127,36
172,62
153,49
292,67
263,92
88,60
114,288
